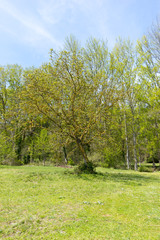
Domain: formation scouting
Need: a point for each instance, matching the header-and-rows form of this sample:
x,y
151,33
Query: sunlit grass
x,y
52,203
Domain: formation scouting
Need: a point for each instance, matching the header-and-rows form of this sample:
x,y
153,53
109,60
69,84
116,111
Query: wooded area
x,y
87,103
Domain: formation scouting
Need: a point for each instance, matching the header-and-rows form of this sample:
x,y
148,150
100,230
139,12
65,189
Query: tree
x,y
10,111
149,67
125,65
153,39
74,100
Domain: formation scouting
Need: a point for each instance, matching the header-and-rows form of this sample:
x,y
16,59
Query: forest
x,y
87,104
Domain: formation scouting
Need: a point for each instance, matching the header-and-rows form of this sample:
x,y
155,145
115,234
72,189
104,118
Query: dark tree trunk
x,y
154,165
65,154
82,150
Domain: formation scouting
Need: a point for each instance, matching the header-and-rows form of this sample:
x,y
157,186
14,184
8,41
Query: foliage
x,y
85,168
86,104
143,168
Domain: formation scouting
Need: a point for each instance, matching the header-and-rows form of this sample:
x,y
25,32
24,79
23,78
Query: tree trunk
x,y
65,154
158,143
127,148
159,156
139,161
32,154
154,165
82,150
134,151
134,143
44,159
140,157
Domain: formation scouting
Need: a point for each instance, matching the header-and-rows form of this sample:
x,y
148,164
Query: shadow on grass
x,y
127,178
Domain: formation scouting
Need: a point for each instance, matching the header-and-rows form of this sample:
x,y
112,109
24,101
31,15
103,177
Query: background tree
x,y
150,80
10,111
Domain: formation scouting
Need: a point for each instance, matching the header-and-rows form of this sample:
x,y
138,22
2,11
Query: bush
x,y
143,168
71,162
85,168
157,169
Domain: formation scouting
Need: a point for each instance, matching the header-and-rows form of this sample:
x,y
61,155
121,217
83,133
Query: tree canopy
x,y
86,103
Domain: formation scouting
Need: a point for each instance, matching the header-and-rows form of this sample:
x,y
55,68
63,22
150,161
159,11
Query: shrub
x,y
157,169
143,168
71,162
86,168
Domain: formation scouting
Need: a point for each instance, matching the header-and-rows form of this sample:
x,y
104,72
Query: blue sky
x,y
29,28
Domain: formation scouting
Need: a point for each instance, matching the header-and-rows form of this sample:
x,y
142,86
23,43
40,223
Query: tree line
x,y
86,104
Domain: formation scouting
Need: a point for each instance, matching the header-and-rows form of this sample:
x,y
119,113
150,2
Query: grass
x,y
52,203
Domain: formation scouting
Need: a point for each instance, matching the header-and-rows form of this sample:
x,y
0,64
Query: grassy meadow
x,y
52,203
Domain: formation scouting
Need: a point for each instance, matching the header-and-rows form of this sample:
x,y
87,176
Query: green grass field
x,y
52,203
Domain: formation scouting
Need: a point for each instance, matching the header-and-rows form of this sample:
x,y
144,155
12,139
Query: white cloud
x,y
38,25
33,28
65,17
